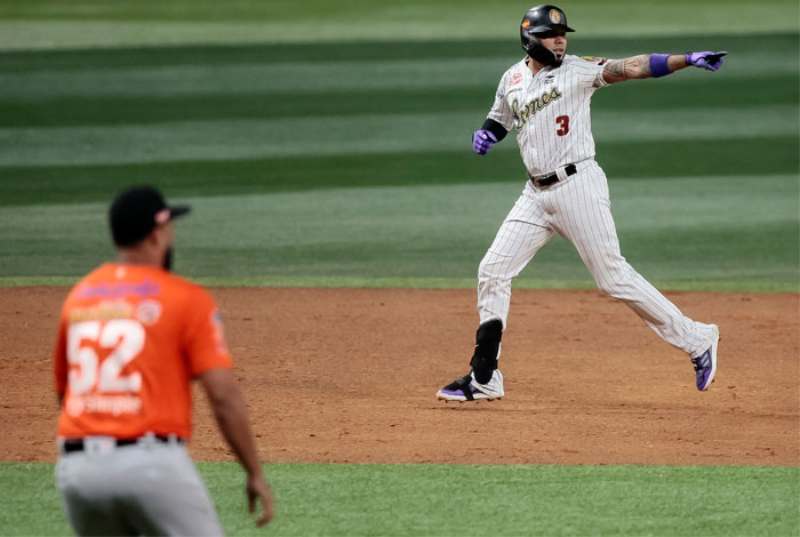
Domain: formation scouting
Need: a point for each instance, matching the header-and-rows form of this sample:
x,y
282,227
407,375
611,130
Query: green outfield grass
x,y
96,23
480,500
160,106
687,232
48,185
353,168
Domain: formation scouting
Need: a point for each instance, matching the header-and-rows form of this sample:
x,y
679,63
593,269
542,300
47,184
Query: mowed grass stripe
x,y
25,185
744,57
238,77
305,78
427,132
424,499
708,93
733,229
51,24
264,78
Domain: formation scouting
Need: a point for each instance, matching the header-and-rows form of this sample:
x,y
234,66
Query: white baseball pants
x,y
578,208
150,488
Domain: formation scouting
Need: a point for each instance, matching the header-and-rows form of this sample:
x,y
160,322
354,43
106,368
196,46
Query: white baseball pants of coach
x,y
150,488
579,209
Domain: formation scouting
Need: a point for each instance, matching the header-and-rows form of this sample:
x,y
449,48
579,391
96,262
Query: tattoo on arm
x,y
615,69
627,69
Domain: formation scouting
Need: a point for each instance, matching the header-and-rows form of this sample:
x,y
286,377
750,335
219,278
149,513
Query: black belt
x,y
552,178
76,444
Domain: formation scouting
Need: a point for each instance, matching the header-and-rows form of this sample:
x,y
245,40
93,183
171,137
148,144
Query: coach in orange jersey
x,y
132,337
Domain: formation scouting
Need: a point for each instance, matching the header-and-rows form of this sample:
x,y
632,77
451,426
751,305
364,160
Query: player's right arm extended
x,y
230,412
658,65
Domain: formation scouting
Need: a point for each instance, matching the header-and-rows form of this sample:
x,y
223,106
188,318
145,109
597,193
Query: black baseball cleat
x,y
467,388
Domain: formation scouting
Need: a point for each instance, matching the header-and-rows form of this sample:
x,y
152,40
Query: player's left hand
x,y
707,59
259,490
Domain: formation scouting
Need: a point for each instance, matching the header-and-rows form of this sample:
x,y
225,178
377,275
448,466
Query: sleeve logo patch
x,y
594,59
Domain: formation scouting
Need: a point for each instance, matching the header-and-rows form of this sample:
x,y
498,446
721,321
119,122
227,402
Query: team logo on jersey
x,y
524,113
516,78
555,16
148,312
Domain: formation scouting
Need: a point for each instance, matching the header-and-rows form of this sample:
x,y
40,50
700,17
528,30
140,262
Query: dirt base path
x,y
349,375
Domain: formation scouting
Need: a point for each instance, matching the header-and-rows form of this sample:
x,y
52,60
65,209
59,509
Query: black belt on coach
x,y
552,178
76,444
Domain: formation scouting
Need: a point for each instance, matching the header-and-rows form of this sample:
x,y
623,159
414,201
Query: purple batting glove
x,y
482,141
707,59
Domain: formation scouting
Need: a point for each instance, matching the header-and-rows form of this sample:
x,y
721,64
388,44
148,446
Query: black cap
x,y
136,212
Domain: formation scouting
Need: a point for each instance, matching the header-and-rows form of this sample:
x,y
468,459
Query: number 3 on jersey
x,y
126,338
563,122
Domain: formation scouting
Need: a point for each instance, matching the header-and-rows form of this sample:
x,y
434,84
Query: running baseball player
x,y
545,97
131,339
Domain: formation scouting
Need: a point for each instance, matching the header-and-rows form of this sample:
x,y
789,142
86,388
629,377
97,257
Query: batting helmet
x,y
538,22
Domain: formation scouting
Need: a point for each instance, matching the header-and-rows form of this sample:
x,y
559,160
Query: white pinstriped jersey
x,y
550,111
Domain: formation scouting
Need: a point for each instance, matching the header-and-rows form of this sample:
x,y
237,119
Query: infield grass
x,y
689,233
417,500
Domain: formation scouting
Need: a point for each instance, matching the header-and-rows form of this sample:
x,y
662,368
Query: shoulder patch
x,y
594,59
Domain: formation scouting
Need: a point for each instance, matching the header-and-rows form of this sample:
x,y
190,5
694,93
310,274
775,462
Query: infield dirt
x,y
349,375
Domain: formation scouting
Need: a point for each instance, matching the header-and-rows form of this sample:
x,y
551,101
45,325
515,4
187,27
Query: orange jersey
x,y
131,338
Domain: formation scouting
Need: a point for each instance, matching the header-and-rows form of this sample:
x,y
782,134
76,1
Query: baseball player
x,y
545,98
131,338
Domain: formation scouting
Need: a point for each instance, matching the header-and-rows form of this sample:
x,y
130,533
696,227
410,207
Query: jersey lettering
x,y
563,122
100,387
530,103
126,337
523,114
131,340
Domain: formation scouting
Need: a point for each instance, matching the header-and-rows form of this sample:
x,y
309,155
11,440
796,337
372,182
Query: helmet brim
x,y
550,28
